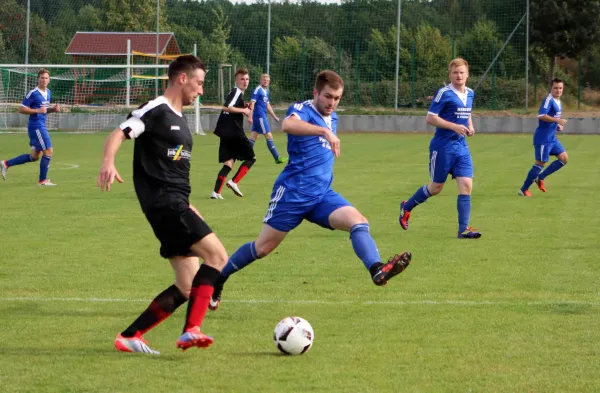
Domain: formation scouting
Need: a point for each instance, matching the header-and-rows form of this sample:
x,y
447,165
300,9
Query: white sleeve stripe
x,y
235,98
547,102
432,113
133,127
256,90
30,93
440,94
149,106
294,114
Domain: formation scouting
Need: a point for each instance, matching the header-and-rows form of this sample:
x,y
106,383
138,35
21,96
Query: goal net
x,y
91,98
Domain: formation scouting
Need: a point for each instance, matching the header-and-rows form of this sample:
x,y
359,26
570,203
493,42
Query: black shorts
x,y
237,148
177,227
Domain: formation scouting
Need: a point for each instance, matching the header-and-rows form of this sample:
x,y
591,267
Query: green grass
x,y
516,311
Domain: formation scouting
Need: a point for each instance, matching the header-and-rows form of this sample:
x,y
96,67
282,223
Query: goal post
x,y
92,98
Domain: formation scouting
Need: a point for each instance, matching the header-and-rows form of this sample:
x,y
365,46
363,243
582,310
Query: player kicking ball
x,y
545,142
450,114
303,190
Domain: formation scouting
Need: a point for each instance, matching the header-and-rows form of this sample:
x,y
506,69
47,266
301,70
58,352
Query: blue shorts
x,y
39,139
543,152
261,125
444,163
288,208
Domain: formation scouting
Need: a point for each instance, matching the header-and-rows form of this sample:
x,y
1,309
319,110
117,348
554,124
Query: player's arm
x,y
294,125
471,128
53,109
108,171
229,106
436,121
549,119
272,112
30,111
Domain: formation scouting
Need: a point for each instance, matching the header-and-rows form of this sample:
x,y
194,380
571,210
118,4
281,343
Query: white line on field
x,y
324,302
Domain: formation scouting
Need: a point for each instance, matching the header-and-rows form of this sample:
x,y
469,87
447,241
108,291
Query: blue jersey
x,y
310,167
260,96
36,99
453,106
546,132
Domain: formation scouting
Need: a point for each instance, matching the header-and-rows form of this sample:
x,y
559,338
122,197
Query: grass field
x,y
515,311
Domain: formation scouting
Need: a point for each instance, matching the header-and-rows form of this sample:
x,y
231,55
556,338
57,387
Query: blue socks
x,y
244,256
44,166
419,197
534,172
364,245
272,149
22,159
556,165
463,205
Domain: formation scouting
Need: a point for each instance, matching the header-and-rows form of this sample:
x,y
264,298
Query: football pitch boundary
x,y
425,302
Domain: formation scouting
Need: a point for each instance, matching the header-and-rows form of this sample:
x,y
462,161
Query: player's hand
x,y
56,108
561,122
560,128
108,175
334,142
276,119
247,112
461,130
471,131
43,109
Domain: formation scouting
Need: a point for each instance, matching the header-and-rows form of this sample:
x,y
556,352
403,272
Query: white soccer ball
x,y
293,336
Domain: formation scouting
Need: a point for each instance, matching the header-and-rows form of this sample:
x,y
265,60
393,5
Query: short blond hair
x,y
265,76
459,61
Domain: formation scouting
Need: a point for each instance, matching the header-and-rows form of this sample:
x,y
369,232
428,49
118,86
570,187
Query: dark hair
x,y
185,63
241,71
328,78
43,71
557,80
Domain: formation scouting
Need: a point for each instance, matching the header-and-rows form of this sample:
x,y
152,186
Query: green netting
x,y
357,38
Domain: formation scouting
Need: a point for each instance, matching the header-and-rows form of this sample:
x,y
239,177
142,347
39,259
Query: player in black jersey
x,y
234,145
161,177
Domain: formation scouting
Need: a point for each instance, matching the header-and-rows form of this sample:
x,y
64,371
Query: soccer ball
x,y
293,336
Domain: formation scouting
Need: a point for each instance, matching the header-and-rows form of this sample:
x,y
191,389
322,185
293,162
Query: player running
x,y
545,142
36,104
450,113
260,123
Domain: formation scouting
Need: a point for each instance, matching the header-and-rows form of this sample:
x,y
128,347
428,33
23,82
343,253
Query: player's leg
x,y
243,151
438,173
226,158
163,305
335,212
253,135
562,158
282,216
45,167
542,155
36,154
463,172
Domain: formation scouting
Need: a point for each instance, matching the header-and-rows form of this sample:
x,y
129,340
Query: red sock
x,y
221,183
199,301
240,173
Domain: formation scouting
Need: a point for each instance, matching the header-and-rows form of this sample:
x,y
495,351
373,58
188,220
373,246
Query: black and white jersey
x,y
231,124
162,153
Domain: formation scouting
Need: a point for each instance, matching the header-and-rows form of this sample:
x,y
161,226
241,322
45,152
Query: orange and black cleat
x,y
394,266
540,184
404,216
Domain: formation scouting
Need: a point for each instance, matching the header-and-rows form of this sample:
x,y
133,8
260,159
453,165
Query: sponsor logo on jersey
x,y
177,153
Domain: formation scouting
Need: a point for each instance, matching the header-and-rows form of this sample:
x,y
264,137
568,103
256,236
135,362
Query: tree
x,y
133,15
564,28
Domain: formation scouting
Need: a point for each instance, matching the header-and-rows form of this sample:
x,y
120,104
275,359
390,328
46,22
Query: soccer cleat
x,y
469,233
525,193
3,169
281,160
133,344
46,183
215,299
234,187
394,266
214,195
404,216
540,184
194,338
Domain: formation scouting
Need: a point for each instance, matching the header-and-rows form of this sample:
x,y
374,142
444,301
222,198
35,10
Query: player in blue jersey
x,y
36,104
303,189
545,142
261,105
450,114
